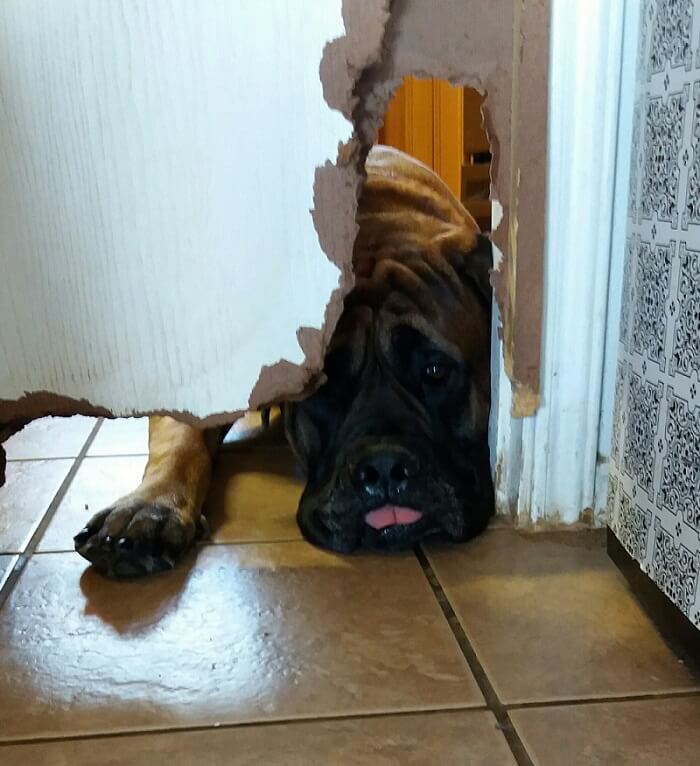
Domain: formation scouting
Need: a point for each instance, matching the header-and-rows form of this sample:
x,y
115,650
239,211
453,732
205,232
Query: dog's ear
x,y
473,267
302,436
478,266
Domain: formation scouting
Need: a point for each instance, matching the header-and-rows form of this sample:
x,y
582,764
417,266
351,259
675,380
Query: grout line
x,y
6,574
641,697
197,545
493,702
100,456
40,459
215,727
30,547
263,541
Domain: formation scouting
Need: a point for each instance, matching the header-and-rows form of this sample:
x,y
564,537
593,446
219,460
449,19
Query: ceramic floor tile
x,y
468,737
244,633
638,733
6,564
98,483
49,438
28,490
122,436
254,497
551,618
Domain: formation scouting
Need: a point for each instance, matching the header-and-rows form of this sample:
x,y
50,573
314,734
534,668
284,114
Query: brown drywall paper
x,y
499,47
522,325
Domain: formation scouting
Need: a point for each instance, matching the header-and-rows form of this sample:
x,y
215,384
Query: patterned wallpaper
x,y
654,490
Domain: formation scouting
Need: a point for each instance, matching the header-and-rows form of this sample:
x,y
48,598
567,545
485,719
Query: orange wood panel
x,y
393,131
425,120
475,139
408,122
448,130
420,119
441,125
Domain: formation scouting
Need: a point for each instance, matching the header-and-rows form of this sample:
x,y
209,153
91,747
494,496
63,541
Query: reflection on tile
x,y
245,633
640,733
467,737
551,618
122,436
28,490
254,497
6,564
98,483
49,438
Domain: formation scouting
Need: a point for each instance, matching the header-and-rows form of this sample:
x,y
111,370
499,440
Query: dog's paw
x,y
134,537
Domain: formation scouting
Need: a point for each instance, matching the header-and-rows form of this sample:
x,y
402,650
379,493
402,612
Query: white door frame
x,y
552,467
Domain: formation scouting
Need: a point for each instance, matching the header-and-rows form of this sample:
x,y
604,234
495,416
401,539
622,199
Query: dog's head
x,y
394,441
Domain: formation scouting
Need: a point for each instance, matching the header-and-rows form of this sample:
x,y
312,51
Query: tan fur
x,y
178,472
405,205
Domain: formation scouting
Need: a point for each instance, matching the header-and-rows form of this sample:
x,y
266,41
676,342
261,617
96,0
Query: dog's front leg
x,y
147,530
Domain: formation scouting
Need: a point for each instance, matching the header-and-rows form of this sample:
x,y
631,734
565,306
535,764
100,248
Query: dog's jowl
x,y
394,440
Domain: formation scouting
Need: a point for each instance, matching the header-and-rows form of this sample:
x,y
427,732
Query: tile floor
x,y
260,649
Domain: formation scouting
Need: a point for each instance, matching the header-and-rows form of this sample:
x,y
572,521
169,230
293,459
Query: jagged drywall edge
x,y
336,189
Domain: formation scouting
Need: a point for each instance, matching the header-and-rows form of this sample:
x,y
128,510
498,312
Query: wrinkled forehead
x,y
430,329
419,287
458,328
461,332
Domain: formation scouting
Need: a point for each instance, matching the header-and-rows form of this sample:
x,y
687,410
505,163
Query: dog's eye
x,y
435,373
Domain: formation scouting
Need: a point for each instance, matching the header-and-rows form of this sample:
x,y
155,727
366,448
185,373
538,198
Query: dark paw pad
x,y
134,538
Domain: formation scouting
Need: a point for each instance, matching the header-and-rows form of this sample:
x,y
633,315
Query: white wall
x,y
156,179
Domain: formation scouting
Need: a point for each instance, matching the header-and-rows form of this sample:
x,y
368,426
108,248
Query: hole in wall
x,y
442,126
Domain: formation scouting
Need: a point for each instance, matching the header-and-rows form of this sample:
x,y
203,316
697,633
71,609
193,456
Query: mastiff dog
x,y
393,441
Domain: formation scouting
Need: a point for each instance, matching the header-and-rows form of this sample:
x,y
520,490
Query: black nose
x,y
385,474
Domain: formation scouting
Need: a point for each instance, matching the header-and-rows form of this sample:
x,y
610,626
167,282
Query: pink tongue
x,y
389,515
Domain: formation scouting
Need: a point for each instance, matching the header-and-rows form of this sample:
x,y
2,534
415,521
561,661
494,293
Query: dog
x,y
393,442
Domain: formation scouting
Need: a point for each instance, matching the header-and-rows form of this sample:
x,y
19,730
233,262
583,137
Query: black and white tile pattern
x,y
691,154
663,133
651,296
675,568
685,358
633,527
654,491
671,36
679,490
619,414
643,405
627,291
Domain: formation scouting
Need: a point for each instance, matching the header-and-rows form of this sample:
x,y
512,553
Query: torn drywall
x,y
499,47
165,216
